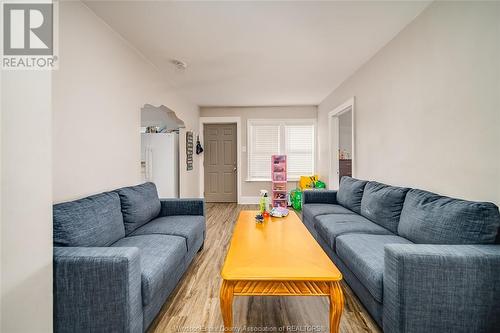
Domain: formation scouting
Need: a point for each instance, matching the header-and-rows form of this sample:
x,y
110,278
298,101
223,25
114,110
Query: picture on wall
x,y
189,150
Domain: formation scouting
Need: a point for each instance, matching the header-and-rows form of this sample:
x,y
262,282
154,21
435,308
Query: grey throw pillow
x,y
92,221
383,204
429,218
350,193
140,204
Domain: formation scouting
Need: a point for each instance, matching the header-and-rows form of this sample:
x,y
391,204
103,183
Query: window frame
x,y
282,144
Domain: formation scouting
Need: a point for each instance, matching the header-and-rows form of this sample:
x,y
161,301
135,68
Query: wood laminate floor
x,y
194,305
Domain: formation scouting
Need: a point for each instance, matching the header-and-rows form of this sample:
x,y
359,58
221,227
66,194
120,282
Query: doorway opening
x,y
160,130
220,160
341,143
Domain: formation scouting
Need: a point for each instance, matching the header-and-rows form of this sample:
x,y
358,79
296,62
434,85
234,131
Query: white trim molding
x,y
222,120
333,142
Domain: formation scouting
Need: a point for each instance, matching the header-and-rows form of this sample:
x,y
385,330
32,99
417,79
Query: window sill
x,y
269,180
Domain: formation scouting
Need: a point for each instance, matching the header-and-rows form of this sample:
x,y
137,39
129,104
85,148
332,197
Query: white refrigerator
x,y
160,162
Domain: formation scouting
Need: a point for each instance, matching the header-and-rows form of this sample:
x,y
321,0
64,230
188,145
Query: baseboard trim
x,y
249,200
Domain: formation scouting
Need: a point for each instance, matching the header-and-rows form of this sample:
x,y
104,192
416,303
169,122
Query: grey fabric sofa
x,y
418,261
118,255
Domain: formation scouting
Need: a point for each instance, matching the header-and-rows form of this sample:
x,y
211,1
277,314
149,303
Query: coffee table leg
x,y
226,303
336,306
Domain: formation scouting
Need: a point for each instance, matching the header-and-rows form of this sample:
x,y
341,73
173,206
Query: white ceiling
x,y
257,53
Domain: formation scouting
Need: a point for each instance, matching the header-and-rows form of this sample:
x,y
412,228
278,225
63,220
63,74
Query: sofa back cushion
x,y
383,204
93,221
350,193
140,204
433,219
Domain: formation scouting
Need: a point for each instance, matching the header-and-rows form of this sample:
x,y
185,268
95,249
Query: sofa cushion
x,y
350,193
429,218
190,227
93,221
160,256
382,204
140,204
364,256
310,211
329,227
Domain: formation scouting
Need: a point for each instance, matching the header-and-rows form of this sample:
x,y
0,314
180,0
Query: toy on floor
x,y
296,199
307,182
319,184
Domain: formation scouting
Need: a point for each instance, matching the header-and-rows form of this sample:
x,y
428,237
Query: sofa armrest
x,y
441,288
195,206
319,196
97,289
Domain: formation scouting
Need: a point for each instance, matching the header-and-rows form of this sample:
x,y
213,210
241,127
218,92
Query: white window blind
x,y
264,141
299,149
295,139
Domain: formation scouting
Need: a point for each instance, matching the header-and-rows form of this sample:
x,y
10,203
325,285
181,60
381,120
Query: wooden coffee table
x,y
277,258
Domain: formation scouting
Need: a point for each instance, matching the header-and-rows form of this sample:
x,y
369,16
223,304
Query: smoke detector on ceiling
x,y
181,65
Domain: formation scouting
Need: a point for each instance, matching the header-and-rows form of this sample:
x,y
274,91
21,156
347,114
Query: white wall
x,y
427,108
26,202
98,92
345,132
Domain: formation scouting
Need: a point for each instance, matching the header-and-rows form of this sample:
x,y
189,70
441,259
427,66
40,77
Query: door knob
x,y
234,169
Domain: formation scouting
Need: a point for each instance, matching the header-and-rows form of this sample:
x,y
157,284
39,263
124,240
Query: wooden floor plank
x,y
194,305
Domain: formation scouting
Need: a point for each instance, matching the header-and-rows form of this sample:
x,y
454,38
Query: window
x,y
292,138
299,148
